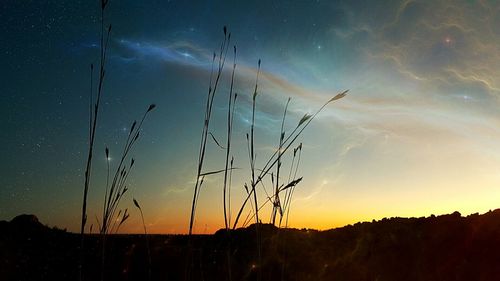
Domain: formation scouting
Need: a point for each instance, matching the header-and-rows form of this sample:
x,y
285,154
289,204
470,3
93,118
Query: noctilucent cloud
x,y
418,133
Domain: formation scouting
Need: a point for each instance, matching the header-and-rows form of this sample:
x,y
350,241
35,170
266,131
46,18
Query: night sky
x,y
418,134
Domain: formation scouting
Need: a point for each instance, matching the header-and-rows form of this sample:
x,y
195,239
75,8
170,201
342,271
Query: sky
x,y
417,134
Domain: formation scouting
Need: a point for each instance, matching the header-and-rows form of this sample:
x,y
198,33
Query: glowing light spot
x,y
186,55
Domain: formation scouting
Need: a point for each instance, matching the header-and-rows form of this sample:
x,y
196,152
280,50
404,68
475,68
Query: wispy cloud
x,y
444,45
181,52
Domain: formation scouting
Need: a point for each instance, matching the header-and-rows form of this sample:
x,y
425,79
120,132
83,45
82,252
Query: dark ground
x,y
448,247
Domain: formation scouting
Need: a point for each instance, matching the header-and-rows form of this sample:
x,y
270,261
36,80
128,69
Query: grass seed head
x,y
137,204
151,107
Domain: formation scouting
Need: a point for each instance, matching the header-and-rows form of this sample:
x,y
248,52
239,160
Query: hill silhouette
x,y
446,247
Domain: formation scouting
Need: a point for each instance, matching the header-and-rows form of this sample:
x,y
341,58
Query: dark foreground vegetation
x,y
447,247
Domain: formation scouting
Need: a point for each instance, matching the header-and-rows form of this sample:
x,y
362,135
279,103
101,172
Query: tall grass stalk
x,y
253,180
297,152
276,203
92,129
252,146
146,236
212,90
287,203
230,113
229,165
